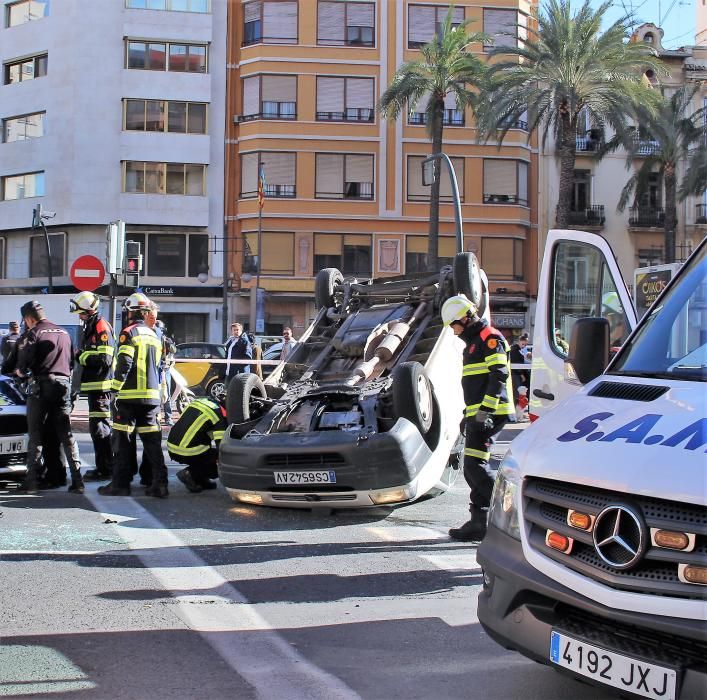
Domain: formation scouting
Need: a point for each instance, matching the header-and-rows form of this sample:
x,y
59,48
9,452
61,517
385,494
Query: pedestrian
x,y
257,355
238,347
168,350
47,357
9,340
520,377
560,343
136,381
95,357
288,343
486,381
190,443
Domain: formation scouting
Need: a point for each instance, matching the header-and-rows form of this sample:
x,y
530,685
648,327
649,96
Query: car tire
x,y
412,395
325,283
241,390
466,274
216,389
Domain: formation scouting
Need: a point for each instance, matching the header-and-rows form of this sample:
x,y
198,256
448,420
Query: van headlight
x,y
503,512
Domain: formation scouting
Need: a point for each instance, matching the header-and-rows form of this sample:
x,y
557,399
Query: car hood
x,y
656,448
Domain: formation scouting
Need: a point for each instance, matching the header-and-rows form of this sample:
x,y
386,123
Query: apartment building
x,y
343,186
115,110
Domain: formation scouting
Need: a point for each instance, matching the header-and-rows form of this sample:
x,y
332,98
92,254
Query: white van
x,y
595,561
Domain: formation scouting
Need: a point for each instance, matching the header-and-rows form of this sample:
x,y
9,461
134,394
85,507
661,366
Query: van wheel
x,y
466,274
412,395
242,389
325,283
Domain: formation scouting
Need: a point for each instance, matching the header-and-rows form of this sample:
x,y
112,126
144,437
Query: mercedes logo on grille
x,y
619,537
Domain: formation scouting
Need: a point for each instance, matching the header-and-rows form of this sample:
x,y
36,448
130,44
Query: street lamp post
x,y
428,176
38,221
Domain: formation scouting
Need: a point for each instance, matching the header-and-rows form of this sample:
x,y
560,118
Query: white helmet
x,y
456,308
84,303
137,302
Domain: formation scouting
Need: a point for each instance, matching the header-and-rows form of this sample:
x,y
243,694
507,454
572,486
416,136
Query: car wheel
x,y
325,283
241,390
412,395
216,390
467,278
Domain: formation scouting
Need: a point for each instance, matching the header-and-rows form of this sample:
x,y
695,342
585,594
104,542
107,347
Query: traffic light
x,y
132,264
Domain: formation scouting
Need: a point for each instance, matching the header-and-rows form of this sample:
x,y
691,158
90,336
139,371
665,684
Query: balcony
x,y
701,214
274,110
504,199
274,191
592,216
451,117
644,146
646,217
589,141
352,114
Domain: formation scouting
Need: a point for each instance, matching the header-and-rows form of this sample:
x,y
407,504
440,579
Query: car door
x,y
579,277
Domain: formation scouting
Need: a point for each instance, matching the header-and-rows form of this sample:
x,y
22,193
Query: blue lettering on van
x,y
634,432
697,432
584,427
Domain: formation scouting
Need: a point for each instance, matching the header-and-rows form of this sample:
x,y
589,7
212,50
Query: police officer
x,y
488,395
48,355
96,359
8,342
190,443
136,381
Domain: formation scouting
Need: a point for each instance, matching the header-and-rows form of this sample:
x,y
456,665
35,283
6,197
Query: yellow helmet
x,y
84,303
456,308
137,302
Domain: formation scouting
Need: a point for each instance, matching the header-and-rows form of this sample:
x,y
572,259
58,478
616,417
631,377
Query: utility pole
x,y
38,221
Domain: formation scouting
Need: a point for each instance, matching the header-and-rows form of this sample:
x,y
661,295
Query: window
x,y
424,22
164,178
581,190
172,254
28,126
175,57
23,186
174,5
26,69
346,24
350,253
505,182
270,97
279,170
417,192
270,22
502,258
502,28
38,255
278,252
416,252
163,115
25,11
345,99
3,258
344,176
452,116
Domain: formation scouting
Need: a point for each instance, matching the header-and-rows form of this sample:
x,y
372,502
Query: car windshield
x,y
672,341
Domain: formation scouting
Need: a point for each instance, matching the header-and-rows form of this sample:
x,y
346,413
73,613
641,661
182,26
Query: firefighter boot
x,y
474,529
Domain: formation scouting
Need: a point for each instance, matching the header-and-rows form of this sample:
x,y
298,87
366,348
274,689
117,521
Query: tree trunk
x,y
568,146
433,239
671,219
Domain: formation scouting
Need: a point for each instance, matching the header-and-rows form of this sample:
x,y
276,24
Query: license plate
x,y
312,477
10,446
619,671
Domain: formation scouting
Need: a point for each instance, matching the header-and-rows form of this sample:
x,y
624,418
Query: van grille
x,y
304,460
628,392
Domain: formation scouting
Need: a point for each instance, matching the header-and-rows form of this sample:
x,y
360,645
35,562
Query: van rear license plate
x,y
9,446
312,477
610,668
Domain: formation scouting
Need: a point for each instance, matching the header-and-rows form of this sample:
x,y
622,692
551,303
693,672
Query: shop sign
x,y
509,320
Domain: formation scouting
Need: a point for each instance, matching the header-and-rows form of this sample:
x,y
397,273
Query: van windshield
x,y
672,341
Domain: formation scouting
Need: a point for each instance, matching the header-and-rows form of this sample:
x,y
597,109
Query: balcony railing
x,y
274,110
451,117
644,146
646,217
275,191
591,216
701,214
504,199
588,141
352,114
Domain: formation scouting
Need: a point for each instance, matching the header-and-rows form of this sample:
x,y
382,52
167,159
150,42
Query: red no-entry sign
x,y
87,273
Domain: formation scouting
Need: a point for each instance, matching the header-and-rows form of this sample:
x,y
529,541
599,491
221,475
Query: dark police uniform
x,y
96,357
486,381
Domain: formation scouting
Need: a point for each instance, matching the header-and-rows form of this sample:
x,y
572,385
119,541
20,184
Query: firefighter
x,y
488,395
190,443
137,402
95,356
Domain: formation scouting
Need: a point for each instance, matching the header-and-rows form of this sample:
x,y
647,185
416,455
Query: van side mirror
x,y
589,348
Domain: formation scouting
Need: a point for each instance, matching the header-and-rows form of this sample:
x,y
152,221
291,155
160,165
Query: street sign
x,y
87,273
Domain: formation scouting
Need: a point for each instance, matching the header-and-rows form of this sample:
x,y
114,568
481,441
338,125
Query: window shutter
x,y
251,12
330,174
457,16
416,190
353,239
447,247
421,106
522,28
421,23
523,182
415,244
279,168
278,253
445,185
327,244
499,177
330,94
498,24
331,23
251,243
249,173
279,88
359,93
450,100
360,15
280,21
251,95
359,168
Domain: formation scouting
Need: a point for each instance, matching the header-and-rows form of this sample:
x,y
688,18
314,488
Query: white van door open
x,y
579,277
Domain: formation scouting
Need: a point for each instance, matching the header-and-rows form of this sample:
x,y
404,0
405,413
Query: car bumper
x,y
519,607
370,470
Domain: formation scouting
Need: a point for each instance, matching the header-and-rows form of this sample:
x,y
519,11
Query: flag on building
x,y
261,188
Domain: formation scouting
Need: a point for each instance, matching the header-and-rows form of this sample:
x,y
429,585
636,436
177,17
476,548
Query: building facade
x,y
343,186
112,111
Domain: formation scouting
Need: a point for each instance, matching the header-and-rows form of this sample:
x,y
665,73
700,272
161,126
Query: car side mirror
x,y
589,348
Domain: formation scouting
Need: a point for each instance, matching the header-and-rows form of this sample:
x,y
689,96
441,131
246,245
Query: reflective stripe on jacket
x,y
136,376
97,355
203,420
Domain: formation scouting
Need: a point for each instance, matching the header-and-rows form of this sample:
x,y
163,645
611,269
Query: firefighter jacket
x,y
203,420
486,377
136,376
96,355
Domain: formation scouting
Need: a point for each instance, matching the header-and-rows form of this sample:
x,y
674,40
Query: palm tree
x,y
665,138
567,66
446,66
695,180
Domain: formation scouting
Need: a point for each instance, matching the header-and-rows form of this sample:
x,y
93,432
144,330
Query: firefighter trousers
x,y
203,467
99,428
477,452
